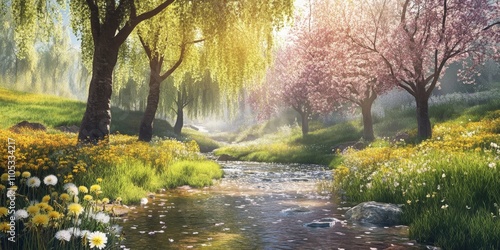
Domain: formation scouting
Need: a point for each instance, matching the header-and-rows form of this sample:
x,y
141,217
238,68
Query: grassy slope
x,y
316,146
53,111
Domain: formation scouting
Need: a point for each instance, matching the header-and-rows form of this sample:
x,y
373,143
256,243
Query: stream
x,y
255,206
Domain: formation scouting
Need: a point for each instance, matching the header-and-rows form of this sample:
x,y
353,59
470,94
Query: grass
x,y
449,184
53,112
192,173
288,146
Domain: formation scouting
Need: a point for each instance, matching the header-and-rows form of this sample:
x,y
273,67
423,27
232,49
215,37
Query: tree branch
x,y
491,25
95,25
134,21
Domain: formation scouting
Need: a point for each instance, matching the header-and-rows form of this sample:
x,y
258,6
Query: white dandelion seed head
x,y
63,235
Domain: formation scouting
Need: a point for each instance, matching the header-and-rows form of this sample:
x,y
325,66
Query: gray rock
x,y
225,157
324,222
28,125
69,129
376,213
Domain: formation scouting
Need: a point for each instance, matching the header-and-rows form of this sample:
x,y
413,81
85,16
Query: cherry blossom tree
x,y
418,39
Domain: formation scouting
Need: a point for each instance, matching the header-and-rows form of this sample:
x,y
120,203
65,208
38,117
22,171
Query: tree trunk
x,y
155,79
97,118
146,128
424,123
305,123
366,110
179,122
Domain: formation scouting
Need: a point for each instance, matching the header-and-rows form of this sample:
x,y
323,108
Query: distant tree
x,y
349,72
297,72
233,47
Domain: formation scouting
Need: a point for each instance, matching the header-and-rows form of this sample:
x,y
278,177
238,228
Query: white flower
x,y
63,235
443,175
75,231
494,145
396,184
116,229
21,214
101,217
33,182
97,239
492,165
71,189
84,233
445,206
439,187
50,180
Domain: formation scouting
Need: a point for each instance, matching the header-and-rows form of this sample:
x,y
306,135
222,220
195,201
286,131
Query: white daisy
x,y
97,239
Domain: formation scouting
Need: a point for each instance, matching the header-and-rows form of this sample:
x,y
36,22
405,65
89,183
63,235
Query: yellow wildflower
x,y
4,227
3,211
46,198
64,197
54,215
99,180
87,197
33,209
95,188
83,189
5,177
75,209
40,219
105,200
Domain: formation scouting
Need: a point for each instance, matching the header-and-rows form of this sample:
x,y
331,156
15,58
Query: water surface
x,y
255,206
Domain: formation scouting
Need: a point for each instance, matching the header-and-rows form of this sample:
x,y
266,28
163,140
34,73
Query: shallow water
x,y
255,206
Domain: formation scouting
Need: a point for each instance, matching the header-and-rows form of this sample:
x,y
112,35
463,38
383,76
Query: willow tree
x,y
234,43
104,26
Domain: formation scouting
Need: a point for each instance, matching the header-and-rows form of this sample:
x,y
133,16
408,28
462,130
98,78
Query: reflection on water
x,y
256,206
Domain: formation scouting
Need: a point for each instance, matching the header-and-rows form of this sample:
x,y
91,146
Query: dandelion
x,y
99,180
97,239
21,214
428,196
26,174
75,231
105,201
40,219
54,215
445,206
5,177
101,217
95,188
84,233
492,165
33,182
3,211
87,197
4,227
46,198
64,197
63,235
83,189
33,209
409,202
2,187
75,209
443,175
50,180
